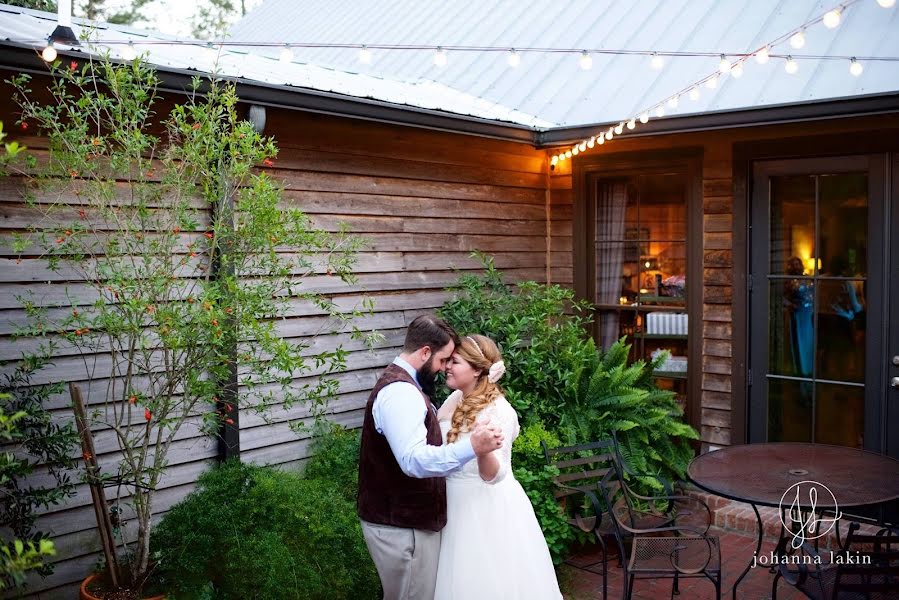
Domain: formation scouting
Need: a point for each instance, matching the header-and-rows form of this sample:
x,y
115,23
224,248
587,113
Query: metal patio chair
x,y
872,574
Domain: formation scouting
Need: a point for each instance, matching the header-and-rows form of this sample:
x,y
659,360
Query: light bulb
x,y
365,55
887,3
286,54
610,133
49,53
657,61
514,59
673,101
797,40
619,128
568,154
724,65
632,123
694,93
440,57
562,156
660,111
644,118
128,52
583,146
591,142
832,18
575,151
554,160
762,55
601,139
855,67
712,82
737,71
791,66
586,62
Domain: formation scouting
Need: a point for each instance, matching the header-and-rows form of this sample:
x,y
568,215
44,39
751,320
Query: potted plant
x,y
183,257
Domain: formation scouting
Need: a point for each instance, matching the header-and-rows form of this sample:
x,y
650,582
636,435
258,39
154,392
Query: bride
x,y
492,546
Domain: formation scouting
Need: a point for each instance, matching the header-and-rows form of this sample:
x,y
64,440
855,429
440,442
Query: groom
x,y
402,463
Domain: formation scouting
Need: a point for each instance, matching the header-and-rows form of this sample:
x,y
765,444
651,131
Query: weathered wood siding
x,y
422,200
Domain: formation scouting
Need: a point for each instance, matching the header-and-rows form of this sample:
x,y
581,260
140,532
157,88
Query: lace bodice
x,y
500,413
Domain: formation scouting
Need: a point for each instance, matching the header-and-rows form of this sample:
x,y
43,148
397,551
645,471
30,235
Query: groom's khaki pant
x,y
406,560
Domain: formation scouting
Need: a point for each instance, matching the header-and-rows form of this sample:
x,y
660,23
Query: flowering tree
x,y
184,258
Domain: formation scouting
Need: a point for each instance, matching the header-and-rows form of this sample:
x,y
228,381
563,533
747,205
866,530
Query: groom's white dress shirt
x,y
399,415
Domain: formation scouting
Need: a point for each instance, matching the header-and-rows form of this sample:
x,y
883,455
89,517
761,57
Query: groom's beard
x,y
427,378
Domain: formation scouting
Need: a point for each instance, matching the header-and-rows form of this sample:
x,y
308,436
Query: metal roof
x,y
554,88
252,66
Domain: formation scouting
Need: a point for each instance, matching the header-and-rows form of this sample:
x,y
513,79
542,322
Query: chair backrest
x,y
871,567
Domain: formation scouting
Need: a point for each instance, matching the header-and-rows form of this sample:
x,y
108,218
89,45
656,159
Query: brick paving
x,y
736,552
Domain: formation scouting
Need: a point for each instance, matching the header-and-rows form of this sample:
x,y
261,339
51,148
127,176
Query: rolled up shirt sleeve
x,y
399,413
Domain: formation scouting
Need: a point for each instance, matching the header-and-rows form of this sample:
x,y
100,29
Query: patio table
x,y
761,474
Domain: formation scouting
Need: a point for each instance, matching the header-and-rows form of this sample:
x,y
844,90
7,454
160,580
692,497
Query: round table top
x,y
762,473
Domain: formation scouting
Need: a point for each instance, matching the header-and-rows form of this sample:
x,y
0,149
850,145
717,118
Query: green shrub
x,y
256,532
335,458
540,330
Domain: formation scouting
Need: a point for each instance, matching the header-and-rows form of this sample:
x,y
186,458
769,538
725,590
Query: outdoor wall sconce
x,y
257,118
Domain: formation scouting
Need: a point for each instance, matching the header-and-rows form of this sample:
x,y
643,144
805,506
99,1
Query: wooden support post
x,y
98,494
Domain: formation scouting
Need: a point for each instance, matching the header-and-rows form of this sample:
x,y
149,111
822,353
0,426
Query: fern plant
x,y
612,396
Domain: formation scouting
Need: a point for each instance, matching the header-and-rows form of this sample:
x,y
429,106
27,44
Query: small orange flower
x,y
132,399
82,213
147,414
229,310
60,240
96,142
73,173
190,300
193,254
228,408
24,126
176,230
229,421
196,126
207,306
73,65
151,309
86,456
215,323
150,173
209,235
68,232
74,312
268,162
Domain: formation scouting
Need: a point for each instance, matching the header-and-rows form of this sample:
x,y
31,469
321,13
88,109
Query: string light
x,y
855,67
644,117
365,55
286,54
660,111
514,59
129,53
554,160
49,53
791,66
887,3
631,124
673,101
583,146
591,142
568,154
619,128
737,71
657,61
762,55
440,57
797,40
586,61
724,65
575,151
832,18
601,139
694,93
610,133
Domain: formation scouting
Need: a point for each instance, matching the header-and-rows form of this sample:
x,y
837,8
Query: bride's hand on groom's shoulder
x,y
486,437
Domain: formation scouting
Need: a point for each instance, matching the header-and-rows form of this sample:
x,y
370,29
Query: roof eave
x,y
854,106
24,59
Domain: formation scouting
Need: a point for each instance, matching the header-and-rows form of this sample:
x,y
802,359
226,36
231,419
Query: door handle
x,y
894,382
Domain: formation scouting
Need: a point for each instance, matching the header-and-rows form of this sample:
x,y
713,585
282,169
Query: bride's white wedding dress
x,y
492,546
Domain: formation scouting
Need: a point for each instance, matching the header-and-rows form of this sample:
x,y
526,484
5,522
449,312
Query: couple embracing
x,y
442,514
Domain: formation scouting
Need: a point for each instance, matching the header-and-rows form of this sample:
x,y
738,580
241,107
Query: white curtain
x,y
611,205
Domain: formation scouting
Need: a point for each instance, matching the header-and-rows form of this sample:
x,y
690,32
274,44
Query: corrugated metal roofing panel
x,y
18,24
552,87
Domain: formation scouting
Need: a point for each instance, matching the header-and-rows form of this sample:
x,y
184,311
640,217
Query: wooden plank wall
x,y
422,200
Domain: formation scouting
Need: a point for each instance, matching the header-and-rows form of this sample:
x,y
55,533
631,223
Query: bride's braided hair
x,y
480,352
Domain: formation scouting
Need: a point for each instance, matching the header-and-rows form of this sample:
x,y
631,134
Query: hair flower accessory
x,y
496,371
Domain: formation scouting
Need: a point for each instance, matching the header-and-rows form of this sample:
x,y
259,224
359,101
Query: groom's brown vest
x,y
388,496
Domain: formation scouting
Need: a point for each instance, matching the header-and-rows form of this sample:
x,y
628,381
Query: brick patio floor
x,y
736,552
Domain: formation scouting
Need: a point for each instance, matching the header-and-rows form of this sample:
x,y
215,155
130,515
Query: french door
x,y
823,329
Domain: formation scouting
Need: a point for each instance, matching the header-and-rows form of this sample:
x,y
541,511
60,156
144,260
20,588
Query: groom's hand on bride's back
x,y
486,438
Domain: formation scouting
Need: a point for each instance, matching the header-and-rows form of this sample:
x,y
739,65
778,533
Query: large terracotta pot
x,y
86,595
